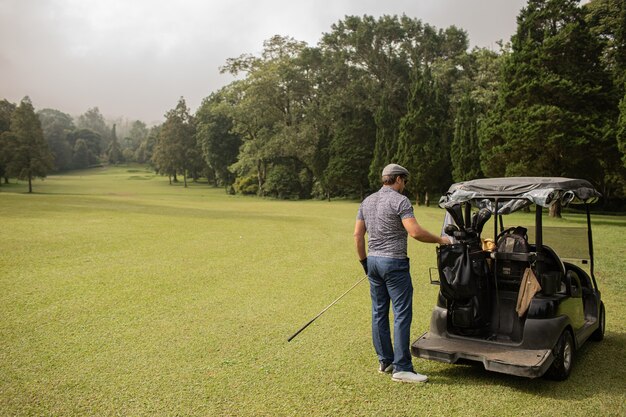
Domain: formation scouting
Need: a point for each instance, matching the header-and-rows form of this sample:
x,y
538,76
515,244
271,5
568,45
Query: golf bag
x,y
464,283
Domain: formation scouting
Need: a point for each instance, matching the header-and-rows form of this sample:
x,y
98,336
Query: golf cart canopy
x,y
515,193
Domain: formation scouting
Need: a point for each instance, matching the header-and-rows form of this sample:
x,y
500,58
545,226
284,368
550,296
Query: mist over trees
x,y
322,121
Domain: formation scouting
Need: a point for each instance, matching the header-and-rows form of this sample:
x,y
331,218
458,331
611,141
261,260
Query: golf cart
x,y
524,302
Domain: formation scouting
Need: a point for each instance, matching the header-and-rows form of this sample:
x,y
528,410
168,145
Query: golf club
x,y
450,229
324,310
457,215
481,218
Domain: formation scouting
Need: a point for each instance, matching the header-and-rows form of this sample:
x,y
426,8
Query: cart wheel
x,y
563,357
599,333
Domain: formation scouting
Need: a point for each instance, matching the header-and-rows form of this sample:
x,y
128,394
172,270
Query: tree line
x,y
321,122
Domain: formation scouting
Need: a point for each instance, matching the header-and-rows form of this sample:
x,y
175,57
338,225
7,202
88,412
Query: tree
x,y
270,109
114,151
56,127
81,154
350,155
382,55
215,136
621,130
423,144
555,100
92,141
6,111
136,136
145,150
378,54
464,150
607,21
176,151
93,120
30,156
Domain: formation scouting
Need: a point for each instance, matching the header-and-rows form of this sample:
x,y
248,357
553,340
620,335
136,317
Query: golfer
x,y
387,217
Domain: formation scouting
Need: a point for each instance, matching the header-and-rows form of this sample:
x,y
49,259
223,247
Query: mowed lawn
x,y
123,295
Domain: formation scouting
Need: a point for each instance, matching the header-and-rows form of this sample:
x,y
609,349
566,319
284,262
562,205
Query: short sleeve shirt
x,y
383,213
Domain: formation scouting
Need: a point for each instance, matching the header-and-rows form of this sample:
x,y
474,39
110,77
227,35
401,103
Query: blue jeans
x,y
390,283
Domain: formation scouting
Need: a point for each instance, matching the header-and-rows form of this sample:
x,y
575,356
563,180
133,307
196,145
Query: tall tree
x,y
270,108
378,53
30,156
607,20
177,151
621,129
144,152
464,150
93,120
114,151
6,111
473,95
349,156
423,146
135,134
382,55
80,154
56,127
555,99
214,133
92,141
347,128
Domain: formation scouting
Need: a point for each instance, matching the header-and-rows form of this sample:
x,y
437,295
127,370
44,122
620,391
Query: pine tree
x,y
114,152
464,150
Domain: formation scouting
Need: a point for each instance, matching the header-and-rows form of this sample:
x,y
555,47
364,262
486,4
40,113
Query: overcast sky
x,y
135,58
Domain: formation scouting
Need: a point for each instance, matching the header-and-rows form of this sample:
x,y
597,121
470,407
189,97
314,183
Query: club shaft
x,y
324,310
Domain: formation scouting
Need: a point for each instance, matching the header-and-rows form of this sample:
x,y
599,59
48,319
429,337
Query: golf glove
x,y
364,264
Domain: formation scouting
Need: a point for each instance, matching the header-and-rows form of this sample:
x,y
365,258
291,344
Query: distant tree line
x,y
33,144
321,122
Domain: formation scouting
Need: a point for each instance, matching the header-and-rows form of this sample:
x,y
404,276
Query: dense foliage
x,y
322,121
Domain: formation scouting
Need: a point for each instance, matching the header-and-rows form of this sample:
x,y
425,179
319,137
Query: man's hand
x,y
445,240
364,264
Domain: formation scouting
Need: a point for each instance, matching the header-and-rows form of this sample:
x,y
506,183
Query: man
x,y
387,217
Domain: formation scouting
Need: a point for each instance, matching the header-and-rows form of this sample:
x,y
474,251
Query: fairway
x,y
123,295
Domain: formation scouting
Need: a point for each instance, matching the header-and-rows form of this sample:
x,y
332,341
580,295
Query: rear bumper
x,y
497,357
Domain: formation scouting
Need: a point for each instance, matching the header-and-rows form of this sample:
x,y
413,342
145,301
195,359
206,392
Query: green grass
x,y
123,295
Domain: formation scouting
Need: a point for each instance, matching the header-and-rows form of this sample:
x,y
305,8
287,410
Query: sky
x,y
134,59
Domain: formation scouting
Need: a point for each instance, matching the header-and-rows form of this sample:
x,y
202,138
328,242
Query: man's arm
x,y
419,233
359,239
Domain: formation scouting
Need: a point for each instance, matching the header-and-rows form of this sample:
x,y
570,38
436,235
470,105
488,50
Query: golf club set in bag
x,y
464,273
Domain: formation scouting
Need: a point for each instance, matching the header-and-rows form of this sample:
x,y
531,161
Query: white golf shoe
x,y
405,376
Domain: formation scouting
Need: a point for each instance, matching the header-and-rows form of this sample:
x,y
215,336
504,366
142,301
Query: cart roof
x,y
515,193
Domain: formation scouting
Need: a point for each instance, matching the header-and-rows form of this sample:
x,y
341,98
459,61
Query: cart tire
x,y
563,357
598,335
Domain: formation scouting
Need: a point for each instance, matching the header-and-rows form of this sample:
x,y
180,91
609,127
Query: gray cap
x,y
394,169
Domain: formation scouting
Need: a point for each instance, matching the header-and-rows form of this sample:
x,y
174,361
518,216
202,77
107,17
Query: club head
x,y
460,235
456,212
450,229
481,218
